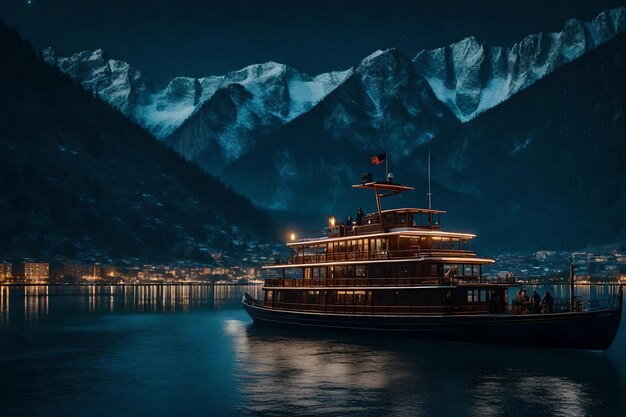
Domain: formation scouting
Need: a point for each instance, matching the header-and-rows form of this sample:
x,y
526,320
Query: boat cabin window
x,y
340,297
361,271
379,247
477,296
313,297
338,271
401,218
402,271
359,297
380,271
470,270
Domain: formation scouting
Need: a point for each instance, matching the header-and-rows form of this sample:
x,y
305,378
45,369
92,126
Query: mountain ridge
x,y
162,110
471,76
527,161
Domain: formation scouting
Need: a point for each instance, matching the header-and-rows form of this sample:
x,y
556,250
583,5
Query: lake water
x,y
193,351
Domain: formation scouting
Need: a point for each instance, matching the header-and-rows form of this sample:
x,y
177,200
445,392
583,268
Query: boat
x,y
397,271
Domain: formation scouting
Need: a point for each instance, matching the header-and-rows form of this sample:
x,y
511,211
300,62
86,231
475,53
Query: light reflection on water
x,y
286,372
34,300
192,351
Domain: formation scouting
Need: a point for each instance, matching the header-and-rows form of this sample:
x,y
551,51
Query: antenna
x,y
430,195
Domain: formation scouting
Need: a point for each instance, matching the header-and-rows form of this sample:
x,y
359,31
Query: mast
x,y
430,195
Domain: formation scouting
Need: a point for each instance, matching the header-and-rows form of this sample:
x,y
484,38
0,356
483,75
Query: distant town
x,y
605,265
591,266
245,269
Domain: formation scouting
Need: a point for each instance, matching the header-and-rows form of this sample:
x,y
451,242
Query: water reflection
x,y
4,304
71,350
30,304
286,372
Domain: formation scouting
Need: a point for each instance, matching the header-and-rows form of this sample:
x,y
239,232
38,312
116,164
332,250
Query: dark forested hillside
x,y
79,179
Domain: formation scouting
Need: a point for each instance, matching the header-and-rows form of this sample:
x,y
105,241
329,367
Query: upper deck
x,y
388,220
385,236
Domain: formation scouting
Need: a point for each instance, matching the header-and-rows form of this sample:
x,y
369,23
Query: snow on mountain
x,y
162,110
252,103
305,165
470,76
386,105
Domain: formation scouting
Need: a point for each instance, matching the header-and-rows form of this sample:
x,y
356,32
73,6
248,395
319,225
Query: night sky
x,y
165,38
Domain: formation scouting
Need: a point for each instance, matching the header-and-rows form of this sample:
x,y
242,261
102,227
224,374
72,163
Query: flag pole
x,y
430,195
387,166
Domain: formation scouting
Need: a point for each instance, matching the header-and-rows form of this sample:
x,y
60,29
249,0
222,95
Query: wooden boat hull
x,y
592,330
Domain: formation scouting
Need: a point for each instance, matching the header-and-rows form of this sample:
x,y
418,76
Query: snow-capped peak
x,y
471,77
376,56
162,110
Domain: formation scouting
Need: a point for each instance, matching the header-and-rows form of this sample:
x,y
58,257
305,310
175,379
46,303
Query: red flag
x,y
379,159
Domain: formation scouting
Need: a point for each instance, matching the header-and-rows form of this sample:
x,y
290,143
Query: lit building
x,y
36,272
6,271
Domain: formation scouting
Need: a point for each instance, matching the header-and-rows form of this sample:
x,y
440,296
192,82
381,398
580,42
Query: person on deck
x,y
548,300
535,300
524,300
359,216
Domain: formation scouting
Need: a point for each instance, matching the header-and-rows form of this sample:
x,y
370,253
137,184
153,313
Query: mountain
x,y
280,93
470,76
80,179
252,103
383,105
542,169
214,121
516,134
550,160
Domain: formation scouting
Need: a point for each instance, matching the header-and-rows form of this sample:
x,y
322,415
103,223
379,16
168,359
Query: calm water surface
x,y
193,351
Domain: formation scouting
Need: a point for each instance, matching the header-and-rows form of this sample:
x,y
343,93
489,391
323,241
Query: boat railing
x,y
355,308
367,282
370,255
563,305
366,229
368,308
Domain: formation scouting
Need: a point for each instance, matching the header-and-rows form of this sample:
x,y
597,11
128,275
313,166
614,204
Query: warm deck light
x,y
292,237
331,222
